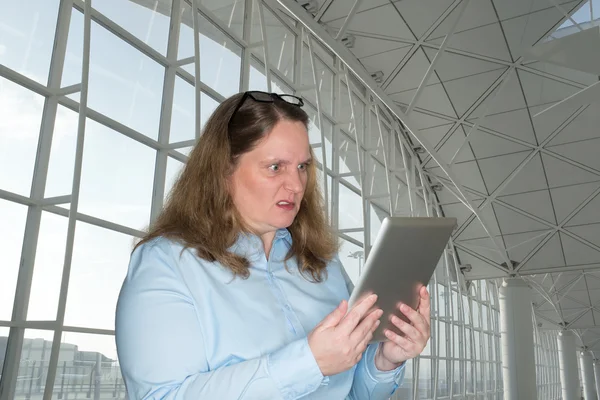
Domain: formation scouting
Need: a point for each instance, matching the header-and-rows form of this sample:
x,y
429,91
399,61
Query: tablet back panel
x,y
403,258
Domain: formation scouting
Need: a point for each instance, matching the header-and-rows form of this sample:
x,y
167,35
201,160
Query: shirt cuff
x,y
392,376
295,370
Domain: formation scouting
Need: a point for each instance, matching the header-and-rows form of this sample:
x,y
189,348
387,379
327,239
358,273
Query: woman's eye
x,y
302,167
274,167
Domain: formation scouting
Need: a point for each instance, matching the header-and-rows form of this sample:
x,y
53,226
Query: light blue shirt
x,y
186,329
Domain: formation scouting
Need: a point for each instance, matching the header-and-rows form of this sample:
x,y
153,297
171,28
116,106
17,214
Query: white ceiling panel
x,y
475,230
588,214
340,9
411,75
594,295
497,169
433,98
453,66
483,246
365,46
561,173
585,126
519,245
478,13
468,175
420,15
383,20
549,256
385,61
486,40
436,134
537,203
577,77
584,152
577,253
513,222
450,146
489,145
480,268
508,96
547,123
516,124
514,8
525,31
458,211
590,232
466,91
593,282
539,90
423,121
586,320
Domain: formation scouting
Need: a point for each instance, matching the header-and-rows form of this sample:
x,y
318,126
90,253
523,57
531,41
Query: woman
x,y
237,293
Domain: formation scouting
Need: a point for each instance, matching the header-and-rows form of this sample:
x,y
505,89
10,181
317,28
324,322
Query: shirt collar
x,y
250,245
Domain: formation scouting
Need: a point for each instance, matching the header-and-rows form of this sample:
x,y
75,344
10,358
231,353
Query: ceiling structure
x,y
505,91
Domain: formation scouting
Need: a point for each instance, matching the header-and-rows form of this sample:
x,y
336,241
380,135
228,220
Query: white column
x,y
567,359
516,327
587,373
597,375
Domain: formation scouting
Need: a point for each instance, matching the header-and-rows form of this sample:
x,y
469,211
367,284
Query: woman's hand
x,y
339,341
399,349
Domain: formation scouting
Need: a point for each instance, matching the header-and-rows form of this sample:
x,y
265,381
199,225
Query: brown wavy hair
x,y
200,213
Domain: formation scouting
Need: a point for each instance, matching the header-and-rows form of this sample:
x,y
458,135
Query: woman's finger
x,y
417,319
407,345
425,304
412,333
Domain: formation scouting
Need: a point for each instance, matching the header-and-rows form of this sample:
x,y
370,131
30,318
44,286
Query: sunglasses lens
x,y
261,96
291,99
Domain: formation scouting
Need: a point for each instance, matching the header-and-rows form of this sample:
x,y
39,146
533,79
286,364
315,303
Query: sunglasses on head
x,y
265,97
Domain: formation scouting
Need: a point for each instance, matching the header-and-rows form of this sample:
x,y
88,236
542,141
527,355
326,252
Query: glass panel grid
x,y
128,93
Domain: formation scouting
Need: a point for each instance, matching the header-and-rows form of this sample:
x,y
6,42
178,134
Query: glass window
x,y
12,215
348,159
425,389
324,85
183,120
230,12
100,261
33,365
127,86
258,80
20,118
443,341
220,56
148,21
281,42
350,210
88,363
48,268
116,177
352,258
27,37
62,154
174,168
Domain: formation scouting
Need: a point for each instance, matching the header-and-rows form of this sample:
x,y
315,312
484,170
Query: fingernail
x,y
377,323
404,308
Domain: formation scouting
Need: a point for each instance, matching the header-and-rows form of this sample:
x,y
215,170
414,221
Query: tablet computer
x,y
403,258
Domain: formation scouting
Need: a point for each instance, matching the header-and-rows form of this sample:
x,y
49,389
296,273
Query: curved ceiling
x,y
505,92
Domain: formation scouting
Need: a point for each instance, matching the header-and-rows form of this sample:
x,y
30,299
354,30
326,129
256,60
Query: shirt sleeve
x,y
161,351
371,383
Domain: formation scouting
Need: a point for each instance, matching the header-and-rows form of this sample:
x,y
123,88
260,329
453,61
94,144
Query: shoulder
x,y
155,262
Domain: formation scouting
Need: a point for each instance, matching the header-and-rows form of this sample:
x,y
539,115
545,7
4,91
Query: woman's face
x,y
269,181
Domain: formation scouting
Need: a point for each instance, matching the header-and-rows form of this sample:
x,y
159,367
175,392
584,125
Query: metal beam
x,y
354,65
